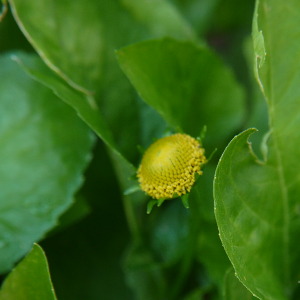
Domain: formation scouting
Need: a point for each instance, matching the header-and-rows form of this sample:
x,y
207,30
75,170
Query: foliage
x,y
259,219
30,280
87,86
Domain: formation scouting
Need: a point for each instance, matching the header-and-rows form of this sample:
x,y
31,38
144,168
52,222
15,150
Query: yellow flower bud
x,y
169,166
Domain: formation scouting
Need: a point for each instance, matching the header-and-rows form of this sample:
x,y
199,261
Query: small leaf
x,y
30,280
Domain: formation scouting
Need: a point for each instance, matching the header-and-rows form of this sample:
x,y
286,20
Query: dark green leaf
x,y
44,150
30,280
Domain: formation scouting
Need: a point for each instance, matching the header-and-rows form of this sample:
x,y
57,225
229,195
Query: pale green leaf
x,y
30,280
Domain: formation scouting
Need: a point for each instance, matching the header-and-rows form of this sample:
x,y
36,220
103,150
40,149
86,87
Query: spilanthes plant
x,y
169,168
139,73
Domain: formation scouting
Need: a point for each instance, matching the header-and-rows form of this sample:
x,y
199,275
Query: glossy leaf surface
x,y
173,77
45,148
257,203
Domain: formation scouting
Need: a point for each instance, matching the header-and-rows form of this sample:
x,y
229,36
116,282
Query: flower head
x,y
169,166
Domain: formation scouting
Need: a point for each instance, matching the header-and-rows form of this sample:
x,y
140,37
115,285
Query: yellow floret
x,y
169,166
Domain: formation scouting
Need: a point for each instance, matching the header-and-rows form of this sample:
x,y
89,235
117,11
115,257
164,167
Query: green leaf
x,y
84,105
75,45
257,203
233,288
45,149
30,280
255,226
187,84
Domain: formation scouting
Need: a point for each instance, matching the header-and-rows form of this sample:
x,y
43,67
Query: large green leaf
x,y
187,84
30,280
257,202
44,150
